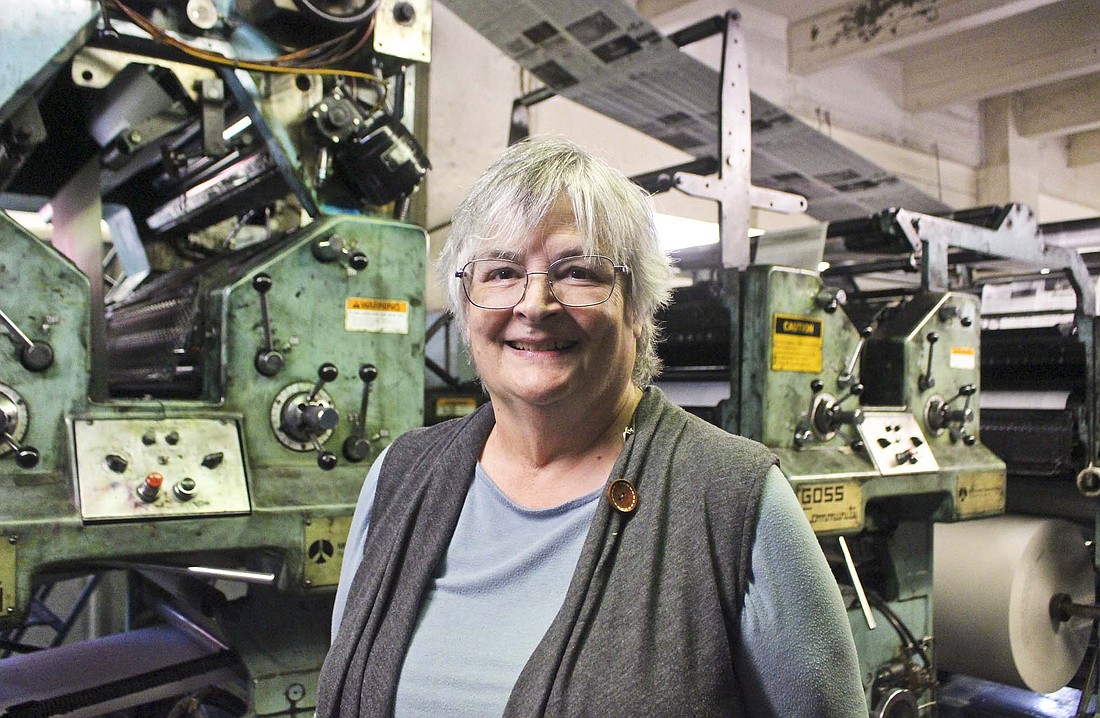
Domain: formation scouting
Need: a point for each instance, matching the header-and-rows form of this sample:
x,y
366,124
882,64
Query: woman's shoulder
x,y
705,441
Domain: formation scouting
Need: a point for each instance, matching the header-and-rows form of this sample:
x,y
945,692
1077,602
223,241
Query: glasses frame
x,y
618,269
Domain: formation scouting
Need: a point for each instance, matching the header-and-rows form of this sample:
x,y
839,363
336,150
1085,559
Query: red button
x,y
154,480
622,495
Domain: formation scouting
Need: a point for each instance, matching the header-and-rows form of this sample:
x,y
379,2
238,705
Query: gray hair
x,y
613,216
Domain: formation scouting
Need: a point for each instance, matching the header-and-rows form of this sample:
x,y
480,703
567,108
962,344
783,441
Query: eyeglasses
x,y
581,281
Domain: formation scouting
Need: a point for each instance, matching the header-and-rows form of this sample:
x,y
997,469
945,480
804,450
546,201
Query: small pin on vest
x,y
622,495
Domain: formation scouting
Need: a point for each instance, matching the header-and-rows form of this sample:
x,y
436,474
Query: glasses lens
x,y
583,280
494,283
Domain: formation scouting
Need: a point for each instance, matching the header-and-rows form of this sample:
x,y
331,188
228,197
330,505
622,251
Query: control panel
x,y
896,443
144,469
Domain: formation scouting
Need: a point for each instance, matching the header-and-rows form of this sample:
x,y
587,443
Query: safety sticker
x,y
963,358
452,406
981,492
796,344
325,539
381,316
836,506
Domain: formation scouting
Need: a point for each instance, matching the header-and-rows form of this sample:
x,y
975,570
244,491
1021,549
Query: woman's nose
x,y
538,299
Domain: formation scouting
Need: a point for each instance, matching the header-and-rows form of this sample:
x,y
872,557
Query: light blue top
x,y
505,576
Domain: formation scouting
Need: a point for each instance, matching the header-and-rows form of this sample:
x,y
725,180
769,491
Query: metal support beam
x,y
732,188
1060,109
1049,44
873,27
1083,149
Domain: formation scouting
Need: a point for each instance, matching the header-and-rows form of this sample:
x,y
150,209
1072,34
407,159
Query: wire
x,y
282,64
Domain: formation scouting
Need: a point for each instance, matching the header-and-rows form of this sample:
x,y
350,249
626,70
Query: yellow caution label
x,y
452,406
832,506
963,358
7,577
796,343
381,316
325,540
981,493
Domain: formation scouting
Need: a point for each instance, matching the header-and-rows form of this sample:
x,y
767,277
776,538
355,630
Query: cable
x,y
279,65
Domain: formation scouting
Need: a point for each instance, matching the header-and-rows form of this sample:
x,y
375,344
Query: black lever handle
x,y
926,382
357,445
269,362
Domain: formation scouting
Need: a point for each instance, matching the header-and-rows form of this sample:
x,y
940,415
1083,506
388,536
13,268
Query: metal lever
x,y
325,459
325,373
34,356
268,361
846,378
26,457
804,433
926,382
858,585
321,418
357,445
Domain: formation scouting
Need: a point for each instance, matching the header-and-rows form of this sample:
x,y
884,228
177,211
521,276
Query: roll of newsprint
x,y
994,579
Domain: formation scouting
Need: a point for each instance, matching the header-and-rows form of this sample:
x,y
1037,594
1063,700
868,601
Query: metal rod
x,y
16,333
863,603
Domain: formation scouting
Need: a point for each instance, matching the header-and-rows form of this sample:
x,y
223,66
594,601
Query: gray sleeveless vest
x,y
653,607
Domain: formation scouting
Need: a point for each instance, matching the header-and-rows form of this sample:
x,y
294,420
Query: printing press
x,y
190,398
867,382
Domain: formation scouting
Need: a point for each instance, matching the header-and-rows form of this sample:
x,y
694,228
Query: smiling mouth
x,y
554,346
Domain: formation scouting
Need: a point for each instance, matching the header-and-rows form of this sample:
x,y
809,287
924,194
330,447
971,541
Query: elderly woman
x,y
578,546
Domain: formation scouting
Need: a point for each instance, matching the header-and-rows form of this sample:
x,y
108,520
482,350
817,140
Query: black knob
x,y
327,372
970,439
817,385
857,390
356,448
116,463
269,363
968,390
966,321
27,457
261,283
858,446
317,419
326,460
36,357
149,438
172,437
404,13
212,460
933,337
358,261
368,372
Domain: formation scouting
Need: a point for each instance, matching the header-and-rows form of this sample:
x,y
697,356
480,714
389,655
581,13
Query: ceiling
x,y
1043,56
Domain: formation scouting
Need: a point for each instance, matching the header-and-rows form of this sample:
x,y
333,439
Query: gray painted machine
x,y
195,404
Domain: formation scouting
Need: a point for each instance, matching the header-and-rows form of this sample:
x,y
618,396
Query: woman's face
x,y
540,353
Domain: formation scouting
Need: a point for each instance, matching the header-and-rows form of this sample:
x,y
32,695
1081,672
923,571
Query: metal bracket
x,y
732,188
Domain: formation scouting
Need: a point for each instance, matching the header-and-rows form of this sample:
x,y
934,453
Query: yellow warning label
x,y
7,577
833,506
382,316
378,305
796,344
455,406
325,539
963,358
981,493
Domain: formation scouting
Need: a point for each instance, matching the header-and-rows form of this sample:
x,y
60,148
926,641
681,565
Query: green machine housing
x,y
247,401
877,430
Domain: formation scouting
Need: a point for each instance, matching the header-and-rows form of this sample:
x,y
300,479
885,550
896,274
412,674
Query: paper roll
x,y
994,579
